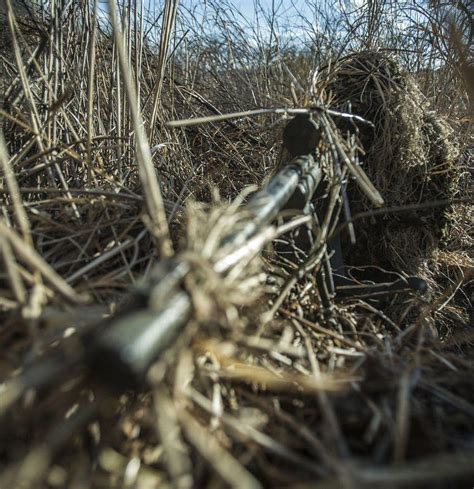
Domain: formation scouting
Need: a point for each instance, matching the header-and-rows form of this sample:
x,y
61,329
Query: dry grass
x,y
273,383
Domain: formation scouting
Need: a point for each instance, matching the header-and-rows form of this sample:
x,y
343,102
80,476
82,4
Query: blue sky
x,y
297,21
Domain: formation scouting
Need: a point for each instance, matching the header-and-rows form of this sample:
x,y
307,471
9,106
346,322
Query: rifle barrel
x,y
124,351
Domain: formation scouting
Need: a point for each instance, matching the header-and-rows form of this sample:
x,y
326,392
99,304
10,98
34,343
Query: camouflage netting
x,y
410,156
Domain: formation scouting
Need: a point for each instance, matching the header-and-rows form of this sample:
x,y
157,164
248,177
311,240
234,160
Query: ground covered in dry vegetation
x,y
272,383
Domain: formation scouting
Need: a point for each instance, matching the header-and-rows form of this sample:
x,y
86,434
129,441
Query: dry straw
x,y
365,393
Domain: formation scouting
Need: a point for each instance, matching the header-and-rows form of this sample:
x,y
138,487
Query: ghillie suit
x,y
410,156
